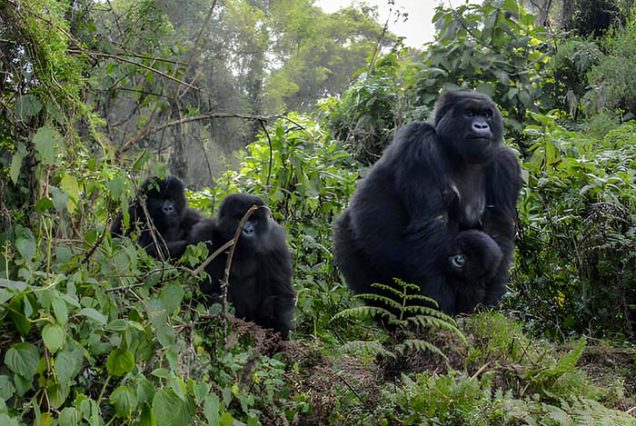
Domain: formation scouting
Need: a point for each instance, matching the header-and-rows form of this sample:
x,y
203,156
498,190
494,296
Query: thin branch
x,y
149,68
205,23
271,154
151,131
210,258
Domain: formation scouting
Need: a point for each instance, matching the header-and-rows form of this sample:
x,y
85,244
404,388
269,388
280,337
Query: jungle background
x,y
283,100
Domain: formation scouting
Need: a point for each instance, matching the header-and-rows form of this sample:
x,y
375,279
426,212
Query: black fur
x,y
432,182
260,286
169,215
473,260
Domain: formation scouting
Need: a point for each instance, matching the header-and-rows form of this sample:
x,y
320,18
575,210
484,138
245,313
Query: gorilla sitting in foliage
x,y
161,218
434,181
260,285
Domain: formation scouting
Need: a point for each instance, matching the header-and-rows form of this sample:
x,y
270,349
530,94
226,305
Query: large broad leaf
x,y
6,388
25,243
69,417
171,410
16,162
27,106
120,362
124,400
22,359
212,409
68,363
53,336
46,141
69,185
93,314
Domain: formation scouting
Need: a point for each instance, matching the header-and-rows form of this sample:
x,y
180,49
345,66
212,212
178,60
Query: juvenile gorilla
x,y
168,214
260,285
432,182
472,261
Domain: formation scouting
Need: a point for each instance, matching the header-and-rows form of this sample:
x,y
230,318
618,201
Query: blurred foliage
x,y
613,78
577,250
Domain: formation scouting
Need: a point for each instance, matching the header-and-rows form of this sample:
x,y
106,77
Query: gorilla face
x,y
232,211
474,255
165,200
469,125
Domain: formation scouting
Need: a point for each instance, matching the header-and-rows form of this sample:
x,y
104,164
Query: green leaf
x,y
60,199
170,410
120,362
171,296
6,387
68,364
25,244
212,409
69,185
118,325
27,106
53,336
58,392
45,141
124,400
16,162
5,420
94,315
69,416
60,310
22,359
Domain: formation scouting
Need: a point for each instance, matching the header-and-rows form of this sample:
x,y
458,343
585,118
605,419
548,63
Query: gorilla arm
x,y
503,185
277,310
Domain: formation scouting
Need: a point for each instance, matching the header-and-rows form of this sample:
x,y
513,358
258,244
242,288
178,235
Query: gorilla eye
x,y
470,113
489,113
458,261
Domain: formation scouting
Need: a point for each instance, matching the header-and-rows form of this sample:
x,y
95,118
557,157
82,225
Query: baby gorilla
x,y
164,233
472,261
260,285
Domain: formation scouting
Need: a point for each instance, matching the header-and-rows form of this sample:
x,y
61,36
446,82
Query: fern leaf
x,y
421,346
372,347
362,312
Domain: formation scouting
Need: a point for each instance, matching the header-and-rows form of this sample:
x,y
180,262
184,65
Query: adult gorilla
x,y
260,285
432,182
163,234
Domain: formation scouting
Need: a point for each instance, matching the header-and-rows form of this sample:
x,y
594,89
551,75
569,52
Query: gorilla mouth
x,y
478,139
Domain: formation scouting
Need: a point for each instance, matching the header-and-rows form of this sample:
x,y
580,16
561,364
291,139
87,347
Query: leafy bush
x,y
368,112
613,80
493,48
578,246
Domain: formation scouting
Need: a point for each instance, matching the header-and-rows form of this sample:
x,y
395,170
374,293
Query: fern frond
x,y
396,292
422,298
406,286
428,311
372,347
432,322
379,298
362,312
421,346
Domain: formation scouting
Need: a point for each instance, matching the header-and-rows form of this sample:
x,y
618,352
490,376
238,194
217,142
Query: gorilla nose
x,y
248,229
168,208
481,128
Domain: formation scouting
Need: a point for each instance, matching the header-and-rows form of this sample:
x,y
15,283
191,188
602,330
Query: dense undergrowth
x,y
94,331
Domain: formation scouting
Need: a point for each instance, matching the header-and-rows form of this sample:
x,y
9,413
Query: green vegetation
x,y
96,95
